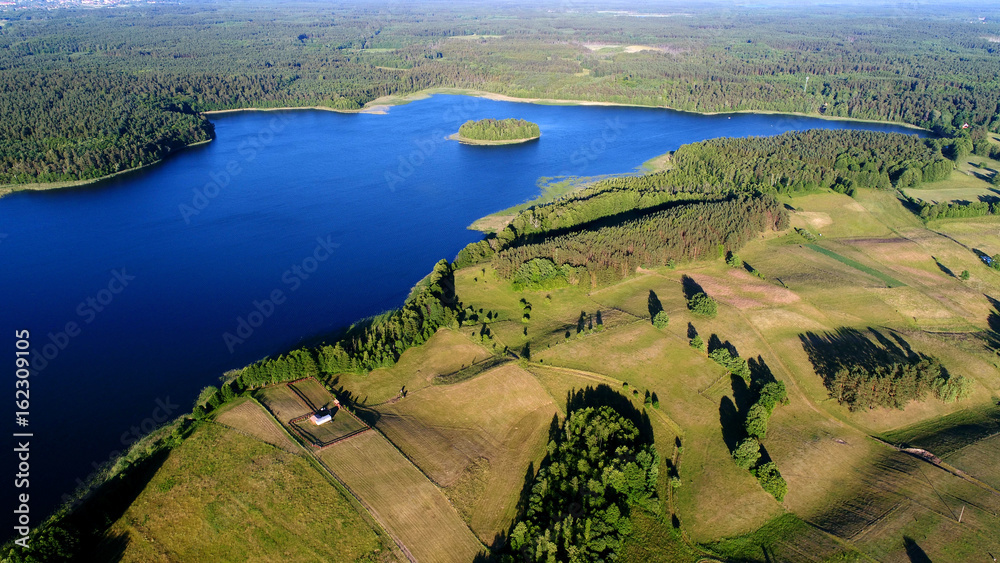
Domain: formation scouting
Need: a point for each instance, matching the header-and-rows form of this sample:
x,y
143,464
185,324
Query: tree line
x,y
370,344
712,170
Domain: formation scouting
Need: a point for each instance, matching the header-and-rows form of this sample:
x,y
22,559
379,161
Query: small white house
x,y
321,416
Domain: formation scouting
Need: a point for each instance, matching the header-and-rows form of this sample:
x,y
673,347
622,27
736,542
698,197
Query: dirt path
x,y
599,377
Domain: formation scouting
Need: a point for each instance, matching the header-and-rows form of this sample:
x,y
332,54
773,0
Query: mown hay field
x,y
283,403
399,496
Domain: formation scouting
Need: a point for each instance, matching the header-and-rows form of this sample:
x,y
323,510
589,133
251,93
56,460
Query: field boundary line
x,y
342,439
841,541
303,398
297,439
432,482
713,384
371,511
274,420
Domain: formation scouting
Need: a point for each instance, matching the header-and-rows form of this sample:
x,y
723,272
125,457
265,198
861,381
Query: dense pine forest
x,y
84,93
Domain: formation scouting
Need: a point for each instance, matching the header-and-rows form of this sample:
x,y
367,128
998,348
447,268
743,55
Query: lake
x,y
142,289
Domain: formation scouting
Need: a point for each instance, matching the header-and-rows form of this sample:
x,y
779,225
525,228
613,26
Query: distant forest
x,y
85,92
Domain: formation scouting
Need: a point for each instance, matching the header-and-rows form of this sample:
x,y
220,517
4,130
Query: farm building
x,y
321,416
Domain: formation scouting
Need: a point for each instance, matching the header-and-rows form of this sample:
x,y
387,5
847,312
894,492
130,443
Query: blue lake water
x,y
130,286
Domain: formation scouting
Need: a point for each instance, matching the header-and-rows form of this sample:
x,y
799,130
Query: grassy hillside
x,y
223,496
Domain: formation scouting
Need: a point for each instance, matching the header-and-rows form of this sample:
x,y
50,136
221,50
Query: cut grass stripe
x,y
889,281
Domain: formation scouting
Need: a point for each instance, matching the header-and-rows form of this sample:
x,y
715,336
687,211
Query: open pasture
x,y
554,312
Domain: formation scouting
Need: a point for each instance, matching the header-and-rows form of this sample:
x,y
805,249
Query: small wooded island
x,y
497,132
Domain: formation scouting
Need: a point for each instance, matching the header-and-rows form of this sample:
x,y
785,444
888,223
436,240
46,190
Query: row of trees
x,y
747,453
734,364
596,470
499,130
952,210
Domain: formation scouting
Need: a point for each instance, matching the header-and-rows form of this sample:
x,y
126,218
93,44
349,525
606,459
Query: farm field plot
x,y
248,416
881,276
316,396
342,425
982,233
901,496
222,496
476,438
979,460
283,402
411,508
966,184
294,402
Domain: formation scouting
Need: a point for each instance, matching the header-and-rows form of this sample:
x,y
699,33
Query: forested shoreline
x,y
87,93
